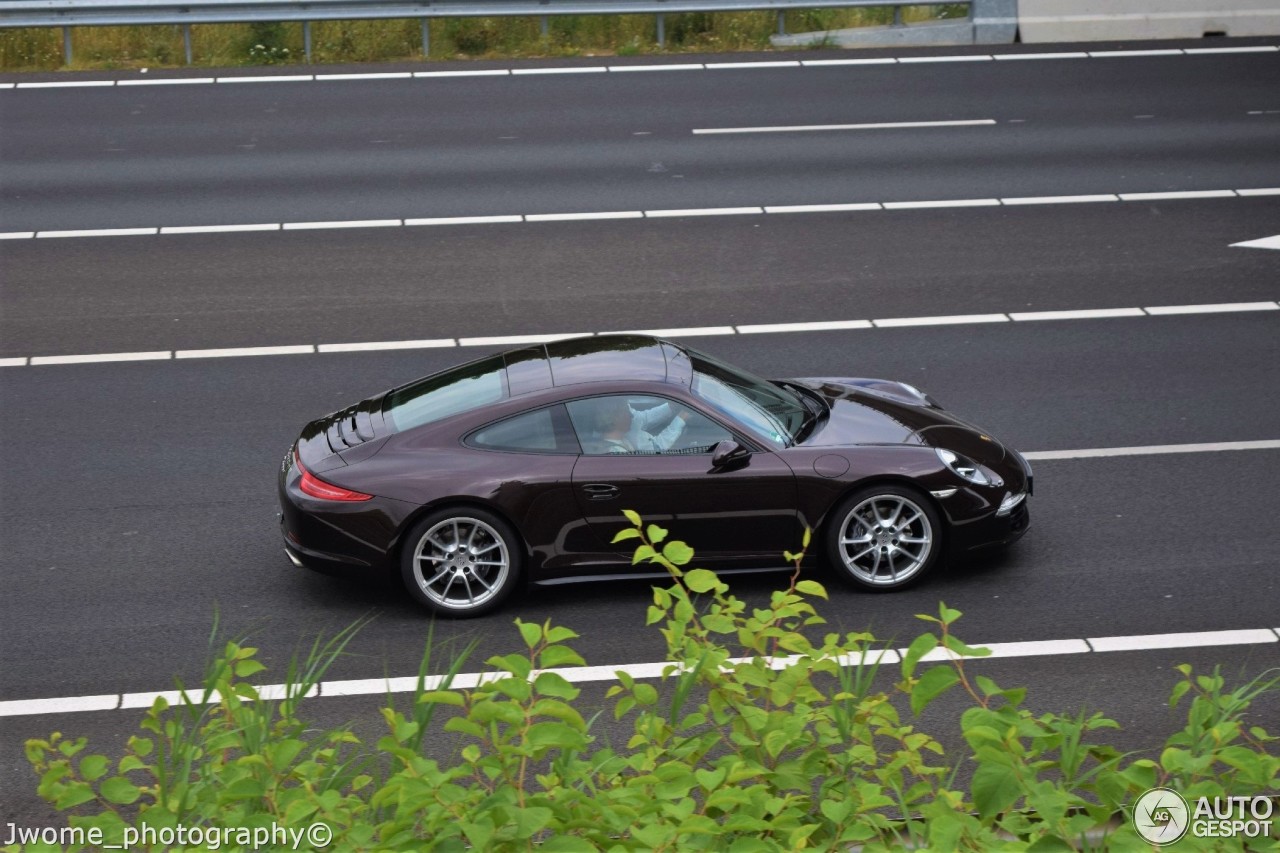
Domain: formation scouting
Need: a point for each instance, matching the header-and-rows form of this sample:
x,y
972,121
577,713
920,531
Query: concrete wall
x,y
1114,20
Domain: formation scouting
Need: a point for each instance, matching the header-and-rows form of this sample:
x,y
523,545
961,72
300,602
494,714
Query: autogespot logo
x,y
1161,816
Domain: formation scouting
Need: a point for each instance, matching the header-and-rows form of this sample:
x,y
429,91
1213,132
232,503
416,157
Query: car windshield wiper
x,y
812,408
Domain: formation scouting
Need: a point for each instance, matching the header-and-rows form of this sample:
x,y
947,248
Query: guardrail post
x,y
897,16
186,41
426,37
66,45
306,40
782,23
662,30
545,26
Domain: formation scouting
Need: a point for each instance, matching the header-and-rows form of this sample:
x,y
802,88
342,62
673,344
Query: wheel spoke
x,y
437,576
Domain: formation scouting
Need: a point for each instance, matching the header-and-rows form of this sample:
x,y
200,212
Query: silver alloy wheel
x,y
461,563
885,540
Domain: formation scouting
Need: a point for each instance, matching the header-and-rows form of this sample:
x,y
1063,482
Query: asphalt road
x,y
137,499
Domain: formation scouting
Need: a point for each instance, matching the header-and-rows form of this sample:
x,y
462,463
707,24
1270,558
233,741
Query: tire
x,y
884,537
461,562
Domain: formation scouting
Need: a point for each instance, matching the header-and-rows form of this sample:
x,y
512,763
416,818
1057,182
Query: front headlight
x,y
963,467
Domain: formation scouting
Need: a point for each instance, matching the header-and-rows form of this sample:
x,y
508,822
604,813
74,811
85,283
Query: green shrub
x,y
759,739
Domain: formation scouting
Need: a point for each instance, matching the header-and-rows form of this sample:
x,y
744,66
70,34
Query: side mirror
x,y
728,453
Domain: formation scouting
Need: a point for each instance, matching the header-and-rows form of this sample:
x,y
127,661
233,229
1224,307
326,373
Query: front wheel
x,y
884,537
461,562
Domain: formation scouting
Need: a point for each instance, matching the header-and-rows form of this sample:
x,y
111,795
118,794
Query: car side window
x,y
539,431
638,425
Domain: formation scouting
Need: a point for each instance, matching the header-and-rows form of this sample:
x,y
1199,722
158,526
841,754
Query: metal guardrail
x,y
97,13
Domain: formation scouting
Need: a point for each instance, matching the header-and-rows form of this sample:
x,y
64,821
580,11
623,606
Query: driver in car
x,y
626,430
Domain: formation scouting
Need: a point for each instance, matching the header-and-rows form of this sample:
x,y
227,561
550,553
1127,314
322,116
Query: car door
x,y
742,512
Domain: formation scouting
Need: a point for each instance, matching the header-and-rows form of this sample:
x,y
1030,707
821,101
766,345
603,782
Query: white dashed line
x,y
167,81
721,66
949,320
1259,192
976,57
822,63
1086,314
695,331
1192,51
959,202
823,208
1060,199
358,223
1063,55
219,229
1152,450
17,235
99,232
385,75
890,125
479,72
571,217
586,69
1168,196
648,670
464,220
67,84
236,352
706,211
283,78
1107,54
682,67
388,345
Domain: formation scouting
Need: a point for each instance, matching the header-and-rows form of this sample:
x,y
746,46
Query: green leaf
x,y
804,543
643,552
1051,844
701,580
811,588
657,534
553,656
551,684
120,791
246,668
93,767
632,516
73,795
932,684
440,697
995,789
919,647
531,632
677,552
624,534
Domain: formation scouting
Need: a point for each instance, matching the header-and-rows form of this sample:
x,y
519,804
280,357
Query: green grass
x,y
222,45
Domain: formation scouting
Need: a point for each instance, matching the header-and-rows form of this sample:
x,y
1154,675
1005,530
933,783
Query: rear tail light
x,y
315,487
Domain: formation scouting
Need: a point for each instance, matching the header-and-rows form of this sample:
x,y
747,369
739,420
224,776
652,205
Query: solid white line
x,y
370,346
463,220
1035,648
99,232
276,692
704,211
1060,199
949,320
1177,195
1261,191
219,229
382,75
480,72
1255,49
965,58
68,84
1182,641
516,340
1219,308
648,670
820,326
13,362
7,85
959,202
233,352
67,705
284,78
159,355
819,63
571,217
1263,243
1067,55
170,81
724,65
1085,314
1103,54
17,235
888,125
586,69
694,66
822,208
355,223
1152,450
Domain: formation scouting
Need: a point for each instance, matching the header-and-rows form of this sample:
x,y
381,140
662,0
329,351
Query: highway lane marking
x,y
804,128
1263,243
686,332
1152,450
681,66
584,674
509,218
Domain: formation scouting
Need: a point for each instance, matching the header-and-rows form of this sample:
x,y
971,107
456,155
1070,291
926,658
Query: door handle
x,y
601,491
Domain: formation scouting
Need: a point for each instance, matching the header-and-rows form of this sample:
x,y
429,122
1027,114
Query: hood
x,y
880,411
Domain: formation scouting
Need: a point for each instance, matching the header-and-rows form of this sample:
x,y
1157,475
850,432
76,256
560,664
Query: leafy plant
x,y
757,738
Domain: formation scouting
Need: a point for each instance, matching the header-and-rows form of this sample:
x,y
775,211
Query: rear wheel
x,y
884,537
461,562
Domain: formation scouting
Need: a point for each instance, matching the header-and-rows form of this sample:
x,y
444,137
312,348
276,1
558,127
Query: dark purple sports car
x,y
516,468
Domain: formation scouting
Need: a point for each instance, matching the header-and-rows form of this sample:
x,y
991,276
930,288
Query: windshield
x,y
773,412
